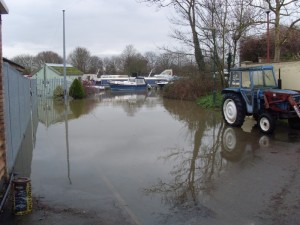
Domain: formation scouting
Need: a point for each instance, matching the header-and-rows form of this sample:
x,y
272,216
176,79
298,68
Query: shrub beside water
x,y
188,89
194,89
58,93
76,90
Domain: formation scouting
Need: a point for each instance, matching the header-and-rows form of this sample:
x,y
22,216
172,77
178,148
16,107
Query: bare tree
x,y
186,21
80,58
243,18
95,65
111,65
284,8
132,61
206,25
152,60
287,14
47,57
27,61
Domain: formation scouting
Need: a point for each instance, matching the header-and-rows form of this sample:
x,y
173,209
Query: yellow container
x,y
22,197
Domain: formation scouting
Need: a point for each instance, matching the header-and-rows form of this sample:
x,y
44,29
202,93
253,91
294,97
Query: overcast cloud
x,y
104,27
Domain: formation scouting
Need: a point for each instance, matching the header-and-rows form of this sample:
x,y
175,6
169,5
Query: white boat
x,y
162,83
100,87
106,79
165,76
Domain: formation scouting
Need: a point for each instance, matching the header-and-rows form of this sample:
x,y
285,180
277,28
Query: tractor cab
x,y
251,83
254,91
253,77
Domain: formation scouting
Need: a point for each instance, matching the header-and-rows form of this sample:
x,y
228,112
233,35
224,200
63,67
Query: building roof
x,y
15,65
3,7
59,69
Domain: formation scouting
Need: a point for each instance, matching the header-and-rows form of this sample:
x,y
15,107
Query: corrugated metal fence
x,y
45,88
20,97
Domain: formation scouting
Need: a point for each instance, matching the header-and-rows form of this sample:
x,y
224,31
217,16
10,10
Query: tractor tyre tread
x,y
240,106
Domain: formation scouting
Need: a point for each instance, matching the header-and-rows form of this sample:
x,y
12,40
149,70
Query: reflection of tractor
x,y
237,144
254,91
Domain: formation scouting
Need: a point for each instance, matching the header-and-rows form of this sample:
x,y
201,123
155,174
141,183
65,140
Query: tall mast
x,y
64,55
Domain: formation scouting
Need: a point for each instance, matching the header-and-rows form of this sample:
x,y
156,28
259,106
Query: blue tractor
x,y
253,91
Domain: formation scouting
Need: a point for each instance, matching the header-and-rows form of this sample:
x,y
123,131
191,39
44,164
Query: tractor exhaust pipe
x,y
279,81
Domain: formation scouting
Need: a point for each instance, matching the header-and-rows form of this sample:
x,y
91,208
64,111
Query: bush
x,y
188,88
76,90
58,93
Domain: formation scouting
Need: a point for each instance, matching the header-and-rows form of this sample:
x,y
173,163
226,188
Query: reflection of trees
x,y
131,102
80,107
51,111
195,168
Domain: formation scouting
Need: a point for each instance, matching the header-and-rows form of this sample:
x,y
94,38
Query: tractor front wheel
x,y
266,123
234,110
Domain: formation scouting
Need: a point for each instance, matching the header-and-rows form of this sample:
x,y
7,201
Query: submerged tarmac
x,y
140,159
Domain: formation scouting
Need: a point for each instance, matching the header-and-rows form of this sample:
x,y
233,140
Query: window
x,y
258,80
263,78
269,78
235,79
246,83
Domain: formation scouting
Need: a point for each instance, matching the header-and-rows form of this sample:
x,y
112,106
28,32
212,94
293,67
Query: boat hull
x,y
122,87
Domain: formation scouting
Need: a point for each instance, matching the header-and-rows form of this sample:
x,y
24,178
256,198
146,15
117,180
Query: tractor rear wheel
x,y
294,123
266,123
234,110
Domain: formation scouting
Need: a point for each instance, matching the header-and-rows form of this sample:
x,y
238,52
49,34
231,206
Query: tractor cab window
x,y
258,80
246,83
235,79
263,78
269,78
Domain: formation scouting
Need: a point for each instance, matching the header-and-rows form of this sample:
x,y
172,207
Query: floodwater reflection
x,y
130,102
51,112
196,165
162,161
23,162
194,177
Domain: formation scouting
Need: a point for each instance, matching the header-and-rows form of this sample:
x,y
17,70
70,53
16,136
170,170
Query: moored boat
x,y
160,79
132,84
161,84
106,79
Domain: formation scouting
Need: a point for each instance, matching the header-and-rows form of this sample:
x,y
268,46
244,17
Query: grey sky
x,y
104,27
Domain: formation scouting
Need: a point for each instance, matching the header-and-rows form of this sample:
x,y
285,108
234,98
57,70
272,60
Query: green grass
x,y
69,70
208,102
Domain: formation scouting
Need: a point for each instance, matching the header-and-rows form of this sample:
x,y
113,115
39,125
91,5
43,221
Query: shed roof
x,y
3,7
13,63
70,70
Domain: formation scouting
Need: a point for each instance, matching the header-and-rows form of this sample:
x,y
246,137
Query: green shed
x,y
51,75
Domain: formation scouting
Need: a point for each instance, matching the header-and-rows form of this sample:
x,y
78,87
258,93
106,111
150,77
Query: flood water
x,y
160,161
